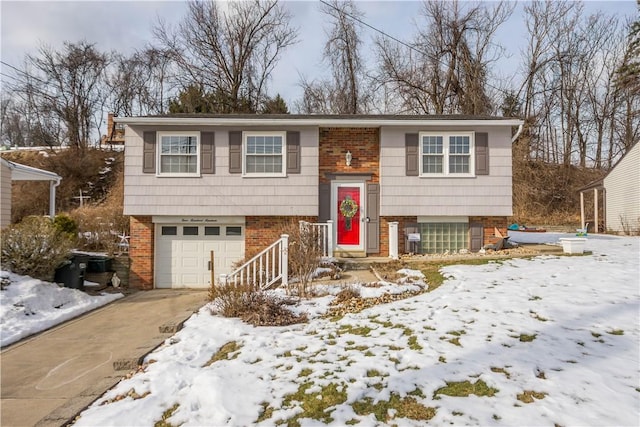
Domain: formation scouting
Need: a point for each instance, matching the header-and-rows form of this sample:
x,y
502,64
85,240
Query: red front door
x,y
348,228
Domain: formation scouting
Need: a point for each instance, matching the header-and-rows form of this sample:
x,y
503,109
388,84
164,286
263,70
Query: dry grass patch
x,y
465,388
529,396
228,351
165,416
315,405
501,371
406,407
349,329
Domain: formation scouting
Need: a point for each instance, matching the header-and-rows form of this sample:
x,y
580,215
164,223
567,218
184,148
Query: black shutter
x,y
411,154
235,152
207,153
482,153
293,152
324,202
149,152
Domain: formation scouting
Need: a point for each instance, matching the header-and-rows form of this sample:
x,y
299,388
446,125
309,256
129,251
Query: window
x,y
234,231
179,153
437,238
189,231
446,153
212,231
264,153
169,231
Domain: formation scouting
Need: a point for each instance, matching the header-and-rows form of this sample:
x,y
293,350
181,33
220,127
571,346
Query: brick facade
x,y
141,252
384,232
261,231
489,224
364,144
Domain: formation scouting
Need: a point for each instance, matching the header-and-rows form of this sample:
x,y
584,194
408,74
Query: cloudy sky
x,y
126,25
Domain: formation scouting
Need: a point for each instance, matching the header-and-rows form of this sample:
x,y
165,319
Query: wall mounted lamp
x,y
348,157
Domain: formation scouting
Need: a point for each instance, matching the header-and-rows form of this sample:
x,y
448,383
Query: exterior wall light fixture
x,y
348,157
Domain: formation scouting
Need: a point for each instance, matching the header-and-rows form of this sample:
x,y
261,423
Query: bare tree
x,y
67,86
230,52
446,68
570,103
139,83
344,92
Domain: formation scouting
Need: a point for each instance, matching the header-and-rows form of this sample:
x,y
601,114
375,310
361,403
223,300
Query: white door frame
x,y
360,217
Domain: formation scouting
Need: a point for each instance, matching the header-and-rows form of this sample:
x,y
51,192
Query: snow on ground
x,y
28,305
557,338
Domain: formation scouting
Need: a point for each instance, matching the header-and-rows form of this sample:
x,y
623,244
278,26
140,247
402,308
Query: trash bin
x,y
71,273
99,264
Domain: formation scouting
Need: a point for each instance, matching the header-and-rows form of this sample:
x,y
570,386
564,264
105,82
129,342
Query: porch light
x,y
348,157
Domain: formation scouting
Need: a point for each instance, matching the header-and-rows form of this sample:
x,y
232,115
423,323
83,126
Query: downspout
x,y
52,196
517,133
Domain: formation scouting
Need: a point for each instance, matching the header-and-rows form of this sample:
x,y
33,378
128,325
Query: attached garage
x,y
183,250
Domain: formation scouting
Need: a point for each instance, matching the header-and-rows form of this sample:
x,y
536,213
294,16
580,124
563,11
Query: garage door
x,y
183,253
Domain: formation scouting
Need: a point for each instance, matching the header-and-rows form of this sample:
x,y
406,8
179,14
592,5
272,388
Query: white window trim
x,y
445,155
283,135
159,172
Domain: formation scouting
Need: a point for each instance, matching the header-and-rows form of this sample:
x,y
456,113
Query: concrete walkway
x,y
47,379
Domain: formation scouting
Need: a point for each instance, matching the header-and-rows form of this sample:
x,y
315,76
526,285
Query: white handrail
x,y
264,269
324,233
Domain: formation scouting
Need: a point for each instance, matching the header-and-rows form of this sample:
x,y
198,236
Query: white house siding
x,y
483,195
622,186
221,193
5,195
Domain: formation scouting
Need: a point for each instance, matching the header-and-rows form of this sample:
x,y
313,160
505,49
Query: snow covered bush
x,y
34,247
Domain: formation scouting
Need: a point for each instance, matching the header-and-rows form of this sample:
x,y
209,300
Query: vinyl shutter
x,y
207,153
412,165
235,152
293,152
149,152
482,153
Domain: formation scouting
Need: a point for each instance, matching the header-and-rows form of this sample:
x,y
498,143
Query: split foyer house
x,y
228,183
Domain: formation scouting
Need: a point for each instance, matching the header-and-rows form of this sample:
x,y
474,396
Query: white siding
x,y
5,195
622,186
221,193
483,195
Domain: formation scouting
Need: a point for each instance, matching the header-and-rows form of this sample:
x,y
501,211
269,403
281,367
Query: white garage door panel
x,y
183,261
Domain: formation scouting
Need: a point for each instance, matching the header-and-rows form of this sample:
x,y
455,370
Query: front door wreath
x,y
348,209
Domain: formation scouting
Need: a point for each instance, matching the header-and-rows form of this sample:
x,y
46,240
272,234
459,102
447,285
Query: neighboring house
x,y
196,183
115,134
11,171
619,194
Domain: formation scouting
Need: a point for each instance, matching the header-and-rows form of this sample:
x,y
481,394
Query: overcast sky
x,y
126,25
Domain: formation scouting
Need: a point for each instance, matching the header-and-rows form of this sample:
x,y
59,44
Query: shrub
x,y
305,254
100,227
34,247
252,305
65,224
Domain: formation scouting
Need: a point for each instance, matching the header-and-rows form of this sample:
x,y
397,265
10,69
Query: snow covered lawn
x,y
552,340
28,305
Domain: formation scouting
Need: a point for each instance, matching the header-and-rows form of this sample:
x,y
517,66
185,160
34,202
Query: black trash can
x,y
99,264
71,273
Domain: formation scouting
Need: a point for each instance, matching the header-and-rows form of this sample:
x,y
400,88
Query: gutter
x,y
324,122
520,127
52,196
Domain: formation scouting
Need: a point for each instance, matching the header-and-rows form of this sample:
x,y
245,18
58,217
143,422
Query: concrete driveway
x,y
47,379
